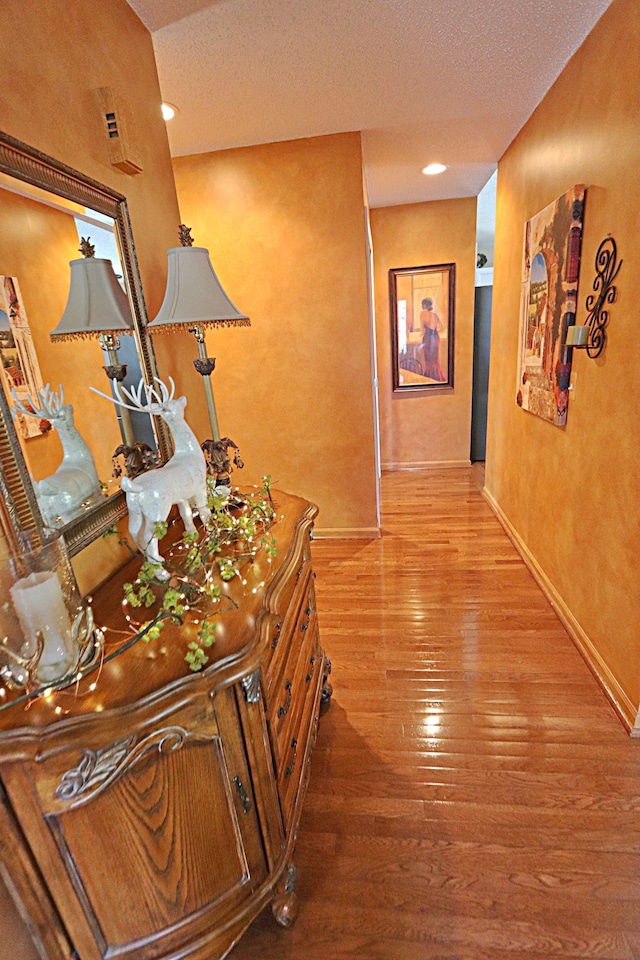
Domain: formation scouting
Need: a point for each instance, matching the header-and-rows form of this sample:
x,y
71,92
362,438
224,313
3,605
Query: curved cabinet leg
x,y
285,904
327,689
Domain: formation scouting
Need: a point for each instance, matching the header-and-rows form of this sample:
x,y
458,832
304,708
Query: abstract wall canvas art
x,y
549,291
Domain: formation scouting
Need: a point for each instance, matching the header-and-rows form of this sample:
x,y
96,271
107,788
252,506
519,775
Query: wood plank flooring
x,y
473,795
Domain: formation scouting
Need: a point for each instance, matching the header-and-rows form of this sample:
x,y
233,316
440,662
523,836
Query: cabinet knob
x,y
305,626
284,709
289,769
312,668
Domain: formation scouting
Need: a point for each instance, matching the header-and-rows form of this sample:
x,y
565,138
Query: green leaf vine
x,y
199,564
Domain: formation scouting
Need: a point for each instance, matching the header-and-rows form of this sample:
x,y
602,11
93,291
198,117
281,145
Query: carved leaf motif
x,y
99,768
95,767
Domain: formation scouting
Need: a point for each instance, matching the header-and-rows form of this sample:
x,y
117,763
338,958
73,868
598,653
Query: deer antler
x,y
134,396
166,398
51,403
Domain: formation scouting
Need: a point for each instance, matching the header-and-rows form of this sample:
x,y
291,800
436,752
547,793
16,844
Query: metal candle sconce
x,y
47,634
592,335
23,672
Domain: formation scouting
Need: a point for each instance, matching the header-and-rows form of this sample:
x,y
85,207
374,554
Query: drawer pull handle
x,y
301,567
274,642
312,665
283,710
289,770
242,794
305,626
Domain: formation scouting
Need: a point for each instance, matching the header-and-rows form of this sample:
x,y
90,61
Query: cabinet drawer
x,y
289,605
300,741
286,645
284,706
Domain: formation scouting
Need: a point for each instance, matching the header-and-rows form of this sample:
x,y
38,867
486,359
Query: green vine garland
x,y
199,563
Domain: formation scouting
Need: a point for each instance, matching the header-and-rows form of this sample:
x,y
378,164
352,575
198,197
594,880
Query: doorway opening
x,y
485,231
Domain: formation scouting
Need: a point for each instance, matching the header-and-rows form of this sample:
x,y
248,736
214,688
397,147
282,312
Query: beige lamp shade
x,y
194,295
97,303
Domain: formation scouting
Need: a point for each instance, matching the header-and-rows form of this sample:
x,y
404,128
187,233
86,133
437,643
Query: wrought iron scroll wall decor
x,y
605,292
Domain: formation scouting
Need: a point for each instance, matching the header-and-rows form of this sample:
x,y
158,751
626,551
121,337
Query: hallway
x,y
473,795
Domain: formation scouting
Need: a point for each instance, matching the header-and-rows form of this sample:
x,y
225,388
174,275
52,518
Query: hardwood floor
x,y
473,795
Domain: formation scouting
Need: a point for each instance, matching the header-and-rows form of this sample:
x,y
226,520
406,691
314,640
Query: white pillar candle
x,y
39,605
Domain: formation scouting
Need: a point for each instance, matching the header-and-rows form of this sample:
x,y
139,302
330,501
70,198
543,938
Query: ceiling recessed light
x,y
169,111
434,168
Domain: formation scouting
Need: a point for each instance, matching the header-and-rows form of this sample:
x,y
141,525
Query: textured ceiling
x,y
424,80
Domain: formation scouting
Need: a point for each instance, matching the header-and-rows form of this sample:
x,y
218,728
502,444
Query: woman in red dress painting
x,y
431,327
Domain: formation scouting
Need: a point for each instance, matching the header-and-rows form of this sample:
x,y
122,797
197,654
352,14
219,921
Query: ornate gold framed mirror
x,y
35,188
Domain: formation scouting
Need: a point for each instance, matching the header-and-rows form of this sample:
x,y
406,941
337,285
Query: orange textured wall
x,y
418,429
67,49
572,494
284,224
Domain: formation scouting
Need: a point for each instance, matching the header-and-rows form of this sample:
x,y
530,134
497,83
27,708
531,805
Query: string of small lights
x,y
202,565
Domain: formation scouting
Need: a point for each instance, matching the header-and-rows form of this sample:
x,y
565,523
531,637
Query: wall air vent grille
x,y
112,125
124,152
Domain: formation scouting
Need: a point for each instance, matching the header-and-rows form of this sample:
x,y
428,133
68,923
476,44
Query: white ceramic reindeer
x,y
182,480
75,483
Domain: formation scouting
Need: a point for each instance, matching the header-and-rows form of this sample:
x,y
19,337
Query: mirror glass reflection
x,y
40,233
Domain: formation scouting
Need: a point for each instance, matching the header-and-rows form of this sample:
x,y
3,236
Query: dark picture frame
x,y
422,314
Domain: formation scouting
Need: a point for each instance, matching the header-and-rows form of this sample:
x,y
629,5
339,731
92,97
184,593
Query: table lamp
x,y
194,299
98,307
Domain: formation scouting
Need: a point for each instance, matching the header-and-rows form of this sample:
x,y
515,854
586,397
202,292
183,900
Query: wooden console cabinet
x,y
154,817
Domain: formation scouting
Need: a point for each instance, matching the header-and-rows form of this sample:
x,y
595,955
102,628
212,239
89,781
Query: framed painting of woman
x,y
422,312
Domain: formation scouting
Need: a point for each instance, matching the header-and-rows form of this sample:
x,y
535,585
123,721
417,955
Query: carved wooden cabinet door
x,y
155,818
146,831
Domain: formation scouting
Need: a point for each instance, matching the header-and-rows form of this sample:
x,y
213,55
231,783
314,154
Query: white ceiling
x,y
424,80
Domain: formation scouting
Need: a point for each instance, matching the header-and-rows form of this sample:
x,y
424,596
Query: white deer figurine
x,y
182,480
75,483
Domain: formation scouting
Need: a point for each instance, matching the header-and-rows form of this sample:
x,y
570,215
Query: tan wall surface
x,y
64,50
284,224
572,493
418,428
69,48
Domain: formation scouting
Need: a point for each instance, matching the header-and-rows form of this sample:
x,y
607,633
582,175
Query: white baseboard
x,y
625,709
424,465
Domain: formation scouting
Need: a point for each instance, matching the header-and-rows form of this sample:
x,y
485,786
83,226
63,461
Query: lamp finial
x,y
184,233
87,249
